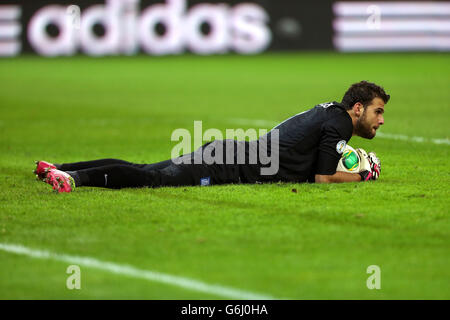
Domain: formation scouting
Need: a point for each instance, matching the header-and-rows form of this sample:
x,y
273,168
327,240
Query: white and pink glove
x,y
370,165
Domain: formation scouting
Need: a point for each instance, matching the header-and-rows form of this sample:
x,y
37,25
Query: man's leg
x,y
118,174
42,167
105,162
125,176
90,164
113,176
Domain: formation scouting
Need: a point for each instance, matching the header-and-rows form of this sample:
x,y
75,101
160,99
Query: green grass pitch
x,y
315,243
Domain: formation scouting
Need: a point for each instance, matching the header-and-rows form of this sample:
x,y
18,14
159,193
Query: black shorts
x,y
185,171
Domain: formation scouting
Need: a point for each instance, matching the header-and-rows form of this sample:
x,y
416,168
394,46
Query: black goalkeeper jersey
x,y
311,143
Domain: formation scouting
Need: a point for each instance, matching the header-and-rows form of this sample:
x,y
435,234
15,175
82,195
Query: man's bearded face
x,y
371,119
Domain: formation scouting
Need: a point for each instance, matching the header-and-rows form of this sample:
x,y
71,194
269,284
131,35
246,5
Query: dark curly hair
x,y
363,92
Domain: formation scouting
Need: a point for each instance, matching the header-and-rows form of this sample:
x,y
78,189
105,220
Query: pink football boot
x,y
60,181
42,167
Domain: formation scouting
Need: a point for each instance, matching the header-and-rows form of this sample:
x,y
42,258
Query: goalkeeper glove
x,y
370,165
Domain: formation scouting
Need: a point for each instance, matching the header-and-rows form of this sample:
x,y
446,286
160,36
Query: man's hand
x,y
370,165
370,169
375,165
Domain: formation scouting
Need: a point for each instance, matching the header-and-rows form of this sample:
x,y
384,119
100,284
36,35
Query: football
x,y
350,161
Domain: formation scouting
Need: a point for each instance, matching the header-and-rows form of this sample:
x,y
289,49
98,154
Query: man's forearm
x,y
338,177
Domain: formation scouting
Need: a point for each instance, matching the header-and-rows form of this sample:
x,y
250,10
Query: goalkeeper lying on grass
x,y
310,147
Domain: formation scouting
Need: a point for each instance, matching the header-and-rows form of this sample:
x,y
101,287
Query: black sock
x,y
76,177
113,176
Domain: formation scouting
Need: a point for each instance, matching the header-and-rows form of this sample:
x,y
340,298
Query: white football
x,y
350,161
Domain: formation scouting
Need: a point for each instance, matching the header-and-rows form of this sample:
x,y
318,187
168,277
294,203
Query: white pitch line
x,y
412,139
401,137
131,271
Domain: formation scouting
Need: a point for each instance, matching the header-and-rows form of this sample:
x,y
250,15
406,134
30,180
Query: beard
x,y
363,127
